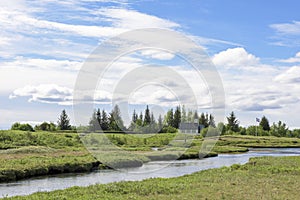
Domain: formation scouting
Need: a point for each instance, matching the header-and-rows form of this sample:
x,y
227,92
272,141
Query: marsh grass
x,y
27,154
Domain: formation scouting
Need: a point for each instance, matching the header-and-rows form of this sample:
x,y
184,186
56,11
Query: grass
x,y
27,154
253,141
20,166
260,178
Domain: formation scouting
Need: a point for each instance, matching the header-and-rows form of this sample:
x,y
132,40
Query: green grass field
x,y
261,178
27,154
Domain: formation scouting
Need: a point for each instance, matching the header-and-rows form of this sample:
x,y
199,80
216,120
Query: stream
x,y
164,169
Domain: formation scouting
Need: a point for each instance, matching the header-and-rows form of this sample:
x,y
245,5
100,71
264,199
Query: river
x,y
164,169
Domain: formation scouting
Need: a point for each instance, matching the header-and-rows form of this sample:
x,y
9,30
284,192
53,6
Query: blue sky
x,y
255,46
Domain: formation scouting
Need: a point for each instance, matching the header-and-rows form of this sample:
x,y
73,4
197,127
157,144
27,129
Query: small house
x,y
190,127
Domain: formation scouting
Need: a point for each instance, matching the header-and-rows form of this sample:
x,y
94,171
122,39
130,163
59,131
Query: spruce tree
x,y
211,121
147,118
133,123
115,119
64,121
170,118
134,117
264,123
98,114
233,123
177,117
160,123
203,120
104,121
93,122
139,121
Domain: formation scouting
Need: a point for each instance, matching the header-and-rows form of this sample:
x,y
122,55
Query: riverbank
x,y
260,178
27,154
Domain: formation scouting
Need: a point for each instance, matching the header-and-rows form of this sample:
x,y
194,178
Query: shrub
x,y
21,127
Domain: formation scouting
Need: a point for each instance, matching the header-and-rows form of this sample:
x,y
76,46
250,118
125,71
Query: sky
x,y
254,45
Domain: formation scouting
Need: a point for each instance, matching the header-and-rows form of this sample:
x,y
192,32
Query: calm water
x,y
153,169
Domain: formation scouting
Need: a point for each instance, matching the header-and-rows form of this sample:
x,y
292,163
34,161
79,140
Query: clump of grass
x,y
29,149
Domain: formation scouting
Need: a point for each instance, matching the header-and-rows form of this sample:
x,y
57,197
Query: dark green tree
x,y
153,124
94,122
203,120
134,119
64,121
22,127
177,117
264,123
45,126
170,118
211,121
160,123
104,121
147,118
233,123
280,129
115,119
98,114
42,127
139,121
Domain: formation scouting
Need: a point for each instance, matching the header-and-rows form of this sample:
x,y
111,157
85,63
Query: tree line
x,y
145,122
63,124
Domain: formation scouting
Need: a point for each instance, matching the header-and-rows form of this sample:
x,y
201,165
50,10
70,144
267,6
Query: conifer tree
x,y
177,117
147,118
233,123
64,121
264,123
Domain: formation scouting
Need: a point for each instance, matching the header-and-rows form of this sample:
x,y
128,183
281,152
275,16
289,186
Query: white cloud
x,y
121,20
291,75
156,54
4,41
45,93
286,34
295,59
131,19
287,28
46,64
250,84
24,23
24,71
235,58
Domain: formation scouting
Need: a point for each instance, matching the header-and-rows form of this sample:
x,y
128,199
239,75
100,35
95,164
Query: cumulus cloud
x,y
250,84
291,75
235,58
